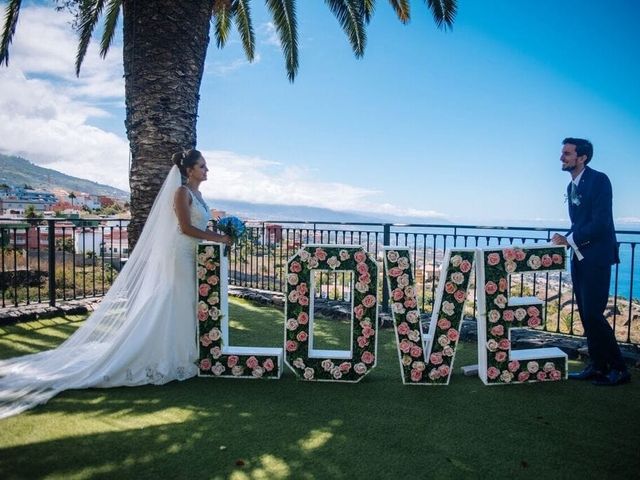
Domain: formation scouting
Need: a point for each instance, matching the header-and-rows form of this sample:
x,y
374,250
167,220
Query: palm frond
x,y
222,13
350,15
368,6
242,17
11,20
110,23
402,9
90,11
284,17
444,12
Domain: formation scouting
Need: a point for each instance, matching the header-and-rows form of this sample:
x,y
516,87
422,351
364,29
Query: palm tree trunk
x,y
163,66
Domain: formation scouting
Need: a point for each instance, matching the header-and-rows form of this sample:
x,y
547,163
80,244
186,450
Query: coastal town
x,y
20,203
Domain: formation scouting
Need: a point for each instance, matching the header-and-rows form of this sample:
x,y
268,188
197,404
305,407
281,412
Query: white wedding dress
x,y
144,330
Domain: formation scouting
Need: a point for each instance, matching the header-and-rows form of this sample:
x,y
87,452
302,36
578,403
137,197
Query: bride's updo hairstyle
x,y
186,159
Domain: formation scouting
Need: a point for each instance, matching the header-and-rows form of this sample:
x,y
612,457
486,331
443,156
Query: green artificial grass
x,y
264,429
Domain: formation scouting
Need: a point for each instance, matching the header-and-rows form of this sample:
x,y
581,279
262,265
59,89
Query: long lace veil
x,y
81,361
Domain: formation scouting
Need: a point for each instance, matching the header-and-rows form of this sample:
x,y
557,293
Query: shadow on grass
x,y
378,428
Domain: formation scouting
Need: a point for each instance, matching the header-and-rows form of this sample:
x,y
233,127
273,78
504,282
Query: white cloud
x,y
45,110
269,34
252,179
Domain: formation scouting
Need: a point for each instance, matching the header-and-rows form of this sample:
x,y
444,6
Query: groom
x,y
593,241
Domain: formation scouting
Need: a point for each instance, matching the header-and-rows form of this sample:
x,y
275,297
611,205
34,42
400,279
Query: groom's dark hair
x,y
583,147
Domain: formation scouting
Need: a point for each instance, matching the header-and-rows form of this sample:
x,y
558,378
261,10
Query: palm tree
x,y
72,197
164,48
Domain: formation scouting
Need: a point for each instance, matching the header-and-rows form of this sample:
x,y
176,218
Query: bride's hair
x,y
186,159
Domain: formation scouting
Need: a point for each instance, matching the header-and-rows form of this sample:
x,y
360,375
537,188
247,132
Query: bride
x,y
144,329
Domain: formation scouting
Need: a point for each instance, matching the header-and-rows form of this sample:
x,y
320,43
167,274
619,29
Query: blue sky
x,y
463,125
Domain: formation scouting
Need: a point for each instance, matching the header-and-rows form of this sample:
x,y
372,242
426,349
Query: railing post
x,y
51,240
386,241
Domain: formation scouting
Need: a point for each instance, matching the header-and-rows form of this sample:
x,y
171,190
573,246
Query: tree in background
x,y
164,48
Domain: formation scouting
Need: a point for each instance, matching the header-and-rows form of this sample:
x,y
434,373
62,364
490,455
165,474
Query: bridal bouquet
x,y
232,226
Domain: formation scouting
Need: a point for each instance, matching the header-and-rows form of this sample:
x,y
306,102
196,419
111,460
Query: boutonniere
x,y
575,198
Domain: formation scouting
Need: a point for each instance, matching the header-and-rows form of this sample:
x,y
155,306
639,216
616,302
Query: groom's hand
x,y
558,239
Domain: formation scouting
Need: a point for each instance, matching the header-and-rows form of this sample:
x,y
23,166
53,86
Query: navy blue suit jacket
x,y
592,219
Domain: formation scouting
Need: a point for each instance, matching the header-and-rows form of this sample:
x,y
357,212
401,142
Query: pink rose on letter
x,y
345,367
360,256
252,362
292,346
493,259
509,254
523,376
513,366
435,358
444,324
493,373
534,322
232,361
203,289
465,266
490,287
362,268
205,364
321,254
501,356
395,272
303,318
360,368
368,357
452,334
369,301
555,375
268,365
497,331
416,375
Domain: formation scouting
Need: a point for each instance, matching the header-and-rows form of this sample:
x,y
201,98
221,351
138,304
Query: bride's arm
x,y
181,204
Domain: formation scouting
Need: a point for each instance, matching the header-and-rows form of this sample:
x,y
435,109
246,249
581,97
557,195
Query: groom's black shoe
x,y
613,378
590,372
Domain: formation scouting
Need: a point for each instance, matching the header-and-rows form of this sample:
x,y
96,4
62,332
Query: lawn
x,y
378,428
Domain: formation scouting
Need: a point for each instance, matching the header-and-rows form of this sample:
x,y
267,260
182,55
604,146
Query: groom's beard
x,y
568,168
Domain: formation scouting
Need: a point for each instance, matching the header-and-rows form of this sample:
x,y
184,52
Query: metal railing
x,y
260,262
82,257
46,261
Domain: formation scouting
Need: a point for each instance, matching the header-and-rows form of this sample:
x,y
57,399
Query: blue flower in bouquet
x,y
232,226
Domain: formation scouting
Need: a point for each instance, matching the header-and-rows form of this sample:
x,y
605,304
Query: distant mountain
x,y
266,211
18,171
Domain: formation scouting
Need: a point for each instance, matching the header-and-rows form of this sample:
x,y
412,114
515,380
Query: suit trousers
x,y
591,288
